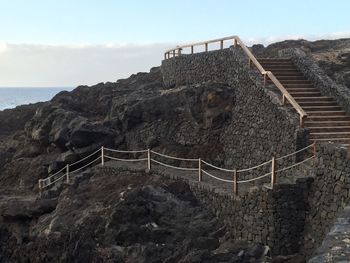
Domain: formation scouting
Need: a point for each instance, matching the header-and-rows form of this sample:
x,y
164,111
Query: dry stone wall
x,y
260,125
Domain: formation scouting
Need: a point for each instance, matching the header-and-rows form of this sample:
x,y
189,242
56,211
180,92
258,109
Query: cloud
x,y
272,39
72,65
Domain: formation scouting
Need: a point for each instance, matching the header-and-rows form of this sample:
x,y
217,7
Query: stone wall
x,y
328,194
259,121
318,77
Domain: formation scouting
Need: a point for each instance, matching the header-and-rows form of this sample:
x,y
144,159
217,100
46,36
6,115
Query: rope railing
x,y
234,173
236,41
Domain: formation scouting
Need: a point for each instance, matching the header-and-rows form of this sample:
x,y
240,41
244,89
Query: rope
x,y
51,183
55,173
285,156
253,179
254,167
86,157
175,167
125,160
217,178
286,168
122,151
86,165
216,167
175,158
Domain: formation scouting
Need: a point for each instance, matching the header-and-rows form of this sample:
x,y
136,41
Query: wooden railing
x,y
236,41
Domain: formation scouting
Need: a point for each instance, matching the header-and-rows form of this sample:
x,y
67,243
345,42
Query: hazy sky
x,y
72,42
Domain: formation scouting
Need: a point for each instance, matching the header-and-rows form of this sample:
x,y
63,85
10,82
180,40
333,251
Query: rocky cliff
x,y
117,220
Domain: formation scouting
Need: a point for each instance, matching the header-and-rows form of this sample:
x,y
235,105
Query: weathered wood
x,y
273,172
191,49
102,156
67,173
235,182
206,47
222,44
200,170
149,159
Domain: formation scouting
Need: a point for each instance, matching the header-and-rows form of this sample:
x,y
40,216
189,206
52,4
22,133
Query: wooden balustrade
x,y
251,61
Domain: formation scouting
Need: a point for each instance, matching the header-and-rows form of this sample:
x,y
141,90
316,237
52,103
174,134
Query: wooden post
x,y
222,44
40,187
273,172
149,159
235,180
67,173
179,52
314,149
235,43
191,49
174,53
302,121
284,99
249,63
102,156
206,47
199,170
265,80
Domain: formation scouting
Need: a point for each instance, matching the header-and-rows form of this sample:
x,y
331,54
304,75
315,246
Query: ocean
x,y
12,97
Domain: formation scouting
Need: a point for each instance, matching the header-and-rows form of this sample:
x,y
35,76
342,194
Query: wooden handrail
x,y
252,60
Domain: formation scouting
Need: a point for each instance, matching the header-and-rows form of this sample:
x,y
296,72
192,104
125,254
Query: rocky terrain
x,y
131,217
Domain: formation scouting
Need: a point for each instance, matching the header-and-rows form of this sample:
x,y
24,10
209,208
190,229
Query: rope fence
x,y
103,154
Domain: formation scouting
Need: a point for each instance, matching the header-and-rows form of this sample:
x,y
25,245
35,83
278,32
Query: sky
x,y
46,43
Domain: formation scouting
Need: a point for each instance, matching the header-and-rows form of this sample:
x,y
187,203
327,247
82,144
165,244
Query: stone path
x,y
336,246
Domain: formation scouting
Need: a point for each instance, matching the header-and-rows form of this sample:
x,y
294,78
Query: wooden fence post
x,y
273,172
102,156
206,47
67,173
235,182
191,49
149,159
235,43
199,170
222,44
179,52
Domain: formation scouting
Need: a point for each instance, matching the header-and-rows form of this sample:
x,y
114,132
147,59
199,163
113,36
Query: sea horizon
x,y
11,97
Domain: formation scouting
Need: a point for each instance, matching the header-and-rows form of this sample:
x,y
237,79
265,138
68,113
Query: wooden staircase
x,y
327,121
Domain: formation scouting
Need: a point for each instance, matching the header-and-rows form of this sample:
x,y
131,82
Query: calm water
x,y
12,97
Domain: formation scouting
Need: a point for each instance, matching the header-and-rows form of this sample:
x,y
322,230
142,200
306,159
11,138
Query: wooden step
x,y
318,103
302,90
322,108
312,99
326,123
286,82
305,94
329,129
280,78
326,113
299,86
344,141
327,118
291,73
324,135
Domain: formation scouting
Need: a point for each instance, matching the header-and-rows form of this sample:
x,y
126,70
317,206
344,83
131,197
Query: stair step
x,y
327,118
322,108
326,113
302,89
326,123
318,103
299,86
312,99
286,82
299,78
292,73
324,135
344,141
329,129
305,94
